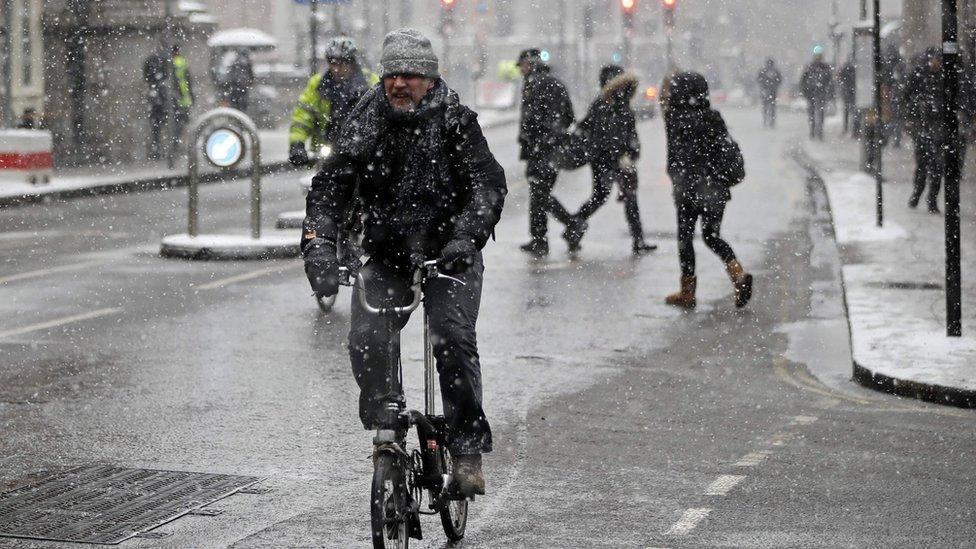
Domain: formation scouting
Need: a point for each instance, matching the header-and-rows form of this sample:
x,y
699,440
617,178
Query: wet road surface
x,y
619,422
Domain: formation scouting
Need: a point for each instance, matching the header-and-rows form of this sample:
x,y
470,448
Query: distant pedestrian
x,y
924,120
156,75
240,79
769,80
703,162
183,97
846,82
547,112
610,128
817,87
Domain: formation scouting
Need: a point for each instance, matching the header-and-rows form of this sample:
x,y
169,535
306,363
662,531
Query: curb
x,y
929,392
240,248
137,185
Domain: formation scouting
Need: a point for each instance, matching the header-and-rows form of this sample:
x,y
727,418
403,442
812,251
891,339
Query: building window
x,y
26,52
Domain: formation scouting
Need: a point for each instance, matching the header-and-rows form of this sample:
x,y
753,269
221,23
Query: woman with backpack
x,y
703,162
610,133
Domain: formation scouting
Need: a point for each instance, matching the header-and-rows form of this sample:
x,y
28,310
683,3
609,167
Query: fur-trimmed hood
x,y
623,87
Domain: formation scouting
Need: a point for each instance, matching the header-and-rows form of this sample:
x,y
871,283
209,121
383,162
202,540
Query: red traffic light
x,y
628,5
669,4
448,4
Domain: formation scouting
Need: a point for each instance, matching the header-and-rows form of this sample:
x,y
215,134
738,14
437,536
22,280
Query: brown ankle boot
x,y
686,296
741,282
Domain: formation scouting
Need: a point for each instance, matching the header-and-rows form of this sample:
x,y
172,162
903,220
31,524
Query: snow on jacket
x,y
423,177
693,131
610,125
547,111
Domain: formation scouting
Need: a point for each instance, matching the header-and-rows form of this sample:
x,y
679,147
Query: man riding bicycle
x,y
327,100
430,189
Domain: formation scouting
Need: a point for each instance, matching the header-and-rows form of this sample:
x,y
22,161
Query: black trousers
x,y
604,179
929,161
769,111
815,117
849,113
157,123
711,221
453,312
542,178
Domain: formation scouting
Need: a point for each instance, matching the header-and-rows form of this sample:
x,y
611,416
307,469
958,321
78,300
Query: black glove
x,y
457,256
297,154
322,266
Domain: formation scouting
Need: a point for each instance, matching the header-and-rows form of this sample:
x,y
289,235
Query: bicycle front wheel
x,y
388,504
454,514
326,303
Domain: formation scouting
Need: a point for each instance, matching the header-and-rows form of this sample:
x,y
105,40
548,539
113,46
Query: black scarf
x,y
414,205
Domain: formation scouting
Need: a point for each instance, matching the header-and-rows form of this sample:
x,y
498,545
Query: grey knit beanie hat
x,y
407,51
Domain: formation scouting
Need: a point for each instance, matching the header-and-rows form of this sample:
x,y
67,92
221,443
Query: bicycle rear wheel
x,y
388,504
454,514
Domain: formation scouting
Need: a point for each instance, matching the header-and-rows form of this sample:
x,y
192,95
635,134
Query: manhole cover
x,y
108,505
905,285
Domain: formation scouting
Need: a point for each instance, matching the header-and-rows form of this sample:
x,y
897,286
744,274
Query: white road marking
x,y
779,439
752,459
60,322
723,484
45,272
220,283
688,522
804,420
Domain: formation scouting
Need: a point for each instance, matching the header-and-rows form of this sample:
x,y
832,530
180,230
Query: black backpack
x,y
728,165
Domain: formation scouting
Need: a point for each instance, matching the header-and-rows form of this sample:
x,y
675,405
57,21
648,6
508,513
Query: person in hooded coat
x,y
694,136
430,190
610,128
817,87
769,80
547,112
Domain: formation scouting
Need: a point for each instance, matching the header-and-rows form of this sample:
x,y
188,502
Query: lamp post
x,y
878,133
950,120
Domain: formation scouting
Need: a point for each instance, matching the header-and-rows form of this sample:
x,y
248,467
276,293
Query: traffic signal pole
x,y
669,7
950,120
878,122
313,29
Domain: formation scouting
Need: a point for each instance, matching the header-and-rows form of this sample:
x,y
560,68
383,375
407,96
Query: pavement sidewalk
x,y
79,182
894,276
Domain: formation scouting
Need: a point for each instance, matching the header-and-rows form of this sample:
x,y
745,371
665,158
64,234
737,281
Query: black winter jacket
x,y
424,177
693,130
547,111
610,125
817,82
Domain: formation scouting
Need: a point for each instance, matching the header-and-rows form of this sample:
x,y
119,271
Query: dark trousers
x,y
711,222
929,160
815,117
769,111
603,181
542,178
849,113
453,312
157,123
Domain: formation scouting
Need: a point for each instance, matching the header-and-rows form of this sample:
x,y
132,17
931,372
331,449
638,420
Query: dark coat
x,y
694,131
610,125
923,102
817,82
155,72
424,177
846,79
547,112
769,80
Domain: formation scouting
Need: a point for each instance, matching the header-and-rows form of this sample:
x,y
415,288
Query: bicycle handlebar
x,y
428,270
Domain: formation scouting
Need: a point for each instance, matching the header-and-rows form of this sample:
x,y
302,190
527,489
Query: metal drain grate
x,y
905,285
108,505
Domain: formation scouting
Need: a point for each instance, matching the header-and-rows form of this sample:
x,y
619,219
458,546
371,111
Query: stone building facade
x,y
23,51
95,94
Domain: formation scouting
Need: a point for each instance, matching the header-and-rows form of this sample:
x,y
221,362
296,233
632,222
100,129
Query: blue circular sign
x,y
224,148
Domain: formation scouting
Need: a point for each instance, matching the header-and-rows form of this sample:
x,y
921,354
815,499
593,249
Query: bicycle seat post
x,y
429,369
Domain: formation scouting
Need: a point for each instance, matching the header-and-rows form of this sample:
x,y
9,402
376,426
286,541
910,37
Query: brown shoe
x,y
741,282
468,476
686,296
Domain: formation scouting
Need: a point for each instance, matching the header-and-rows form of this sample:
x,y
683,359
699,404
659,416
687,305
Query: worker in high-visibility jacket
x,y
183,96
327,100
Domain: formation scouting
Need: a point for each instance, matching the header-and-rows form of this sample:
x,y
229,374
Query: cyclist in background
x,y
327,100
